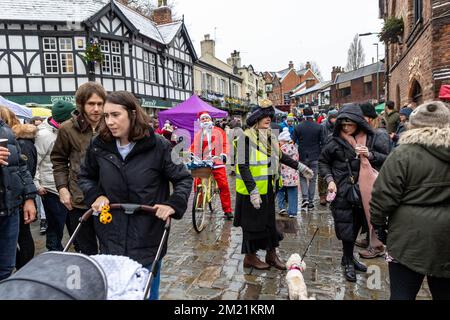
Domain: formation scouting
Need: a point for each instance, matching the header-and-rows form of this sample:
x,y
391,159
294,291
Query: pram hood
x,y
57,276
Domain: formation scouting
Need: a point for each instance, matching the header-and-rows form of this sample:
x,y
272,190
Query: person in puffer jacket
x,y
128,163
16,190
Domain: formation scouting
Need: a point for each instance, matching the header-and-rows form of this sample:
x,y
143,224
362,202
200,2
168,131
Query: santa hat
x,y
203,114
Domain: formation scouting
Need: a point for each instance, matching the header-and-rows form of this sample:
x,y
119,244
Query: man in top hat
x,y
209,142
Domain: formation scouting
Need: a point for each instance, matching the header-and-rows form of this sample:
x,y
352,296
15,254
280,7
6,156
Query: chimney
x,y
310,83
208,46
291,65
235,59
308,65
334,72
162,14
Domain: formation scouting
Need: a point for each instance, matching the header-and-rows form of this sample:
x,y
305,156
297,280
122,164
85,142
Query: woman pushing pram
x,y
128,163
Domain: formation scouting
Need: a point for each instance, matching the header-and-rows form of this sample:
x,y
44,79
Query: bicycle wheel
x,y
214,197
198,212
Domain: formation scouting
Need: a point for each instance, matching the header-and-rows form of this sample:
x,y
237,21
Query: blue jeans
x,y
292,194
56,214
154,289
9,234
309,190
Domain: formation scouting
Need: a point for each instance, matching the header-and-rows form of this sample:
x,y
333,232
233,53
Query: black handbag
x,y
353,195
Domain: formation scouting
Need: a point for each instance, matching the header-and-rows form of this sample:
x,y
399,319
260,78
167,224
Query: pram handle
x,y
128,208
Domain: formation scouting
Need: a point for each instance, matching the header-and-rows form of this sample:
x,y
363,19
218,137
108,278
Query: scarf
x,y
54,123
261,138
366,180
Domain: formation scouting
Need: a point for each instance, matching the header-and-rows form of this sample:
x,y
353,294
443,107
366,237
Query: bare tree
x,y
356,56
314,68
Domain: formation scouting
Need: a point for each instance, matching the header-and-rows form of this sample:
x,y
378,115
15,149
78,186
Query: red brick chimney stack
x,y
334,72
291,65
162,14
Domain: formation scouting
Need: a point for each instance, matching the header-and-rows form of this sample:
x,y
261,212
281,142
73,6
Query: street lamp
x,y
378,76
378,67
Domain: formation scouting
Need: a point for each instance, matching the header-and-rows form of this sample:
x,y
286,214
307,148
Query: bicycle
x,y
206,193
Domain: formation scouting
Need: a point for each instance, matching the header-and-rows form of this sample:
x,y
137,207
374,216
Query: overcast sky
x,y
271,33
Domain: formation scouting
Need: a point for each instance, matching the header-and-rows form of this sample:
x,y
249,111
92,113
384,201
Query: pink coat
x,y
289,175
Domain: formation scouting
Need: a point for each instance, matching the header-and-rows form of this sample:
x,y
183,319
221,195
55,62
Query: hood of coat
x,y
25,131
435,140
354,113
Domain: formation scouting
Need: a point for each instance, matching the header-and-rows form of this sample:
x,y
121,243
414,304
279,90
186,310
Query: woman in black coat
x,y
255,195
336,160
128,163
25,134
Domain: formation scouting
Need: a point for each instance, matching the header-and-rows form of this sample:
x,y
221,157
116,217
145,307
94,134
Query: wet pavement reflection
x,y
209,265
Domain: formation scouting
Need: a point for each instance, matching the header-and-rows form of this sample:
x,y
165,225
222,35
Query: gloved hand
x,y
381,232
223,157
305,171
255,199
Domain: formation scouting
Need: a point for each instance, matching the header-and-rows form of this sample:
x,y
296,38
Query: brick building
x,y
285,83
357,86
419,64
317,96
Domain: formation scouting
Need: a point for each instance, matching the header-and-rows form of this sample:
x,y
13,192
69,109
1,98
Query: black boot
x,y
349,269
359,266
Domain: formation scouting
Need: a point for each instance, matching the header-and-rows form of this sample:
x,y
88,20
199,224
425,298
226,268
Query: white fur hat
x,y
285,135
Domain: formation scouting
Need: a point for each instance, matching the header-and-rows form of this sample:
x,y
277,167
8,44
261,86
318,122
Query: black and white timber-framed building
x,y
42,43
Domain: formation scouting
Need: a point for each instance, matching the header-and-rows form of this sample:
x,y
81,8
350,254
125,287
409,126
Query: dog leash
x,y
309,245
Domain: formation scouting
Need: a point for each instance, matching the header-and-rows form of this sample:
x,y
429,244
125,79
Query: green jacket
x,y
413,192
392,121
70,147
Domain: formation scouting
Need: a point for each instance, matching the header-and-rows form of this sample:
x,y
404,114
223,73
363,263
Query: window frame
x,y
52,66
61,61
56,43
119,62
65,49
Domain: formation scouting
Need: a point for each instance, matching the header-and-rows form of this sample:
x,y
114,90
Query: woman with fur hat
x,y
411,198
258,159
343,160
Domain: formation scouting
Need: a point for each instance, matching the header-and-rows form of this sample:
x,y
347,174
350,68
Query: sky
x,y
270,33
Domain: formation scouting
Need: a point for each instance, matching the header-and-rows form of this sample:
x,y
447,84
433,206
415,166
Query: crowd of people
x,y
386,178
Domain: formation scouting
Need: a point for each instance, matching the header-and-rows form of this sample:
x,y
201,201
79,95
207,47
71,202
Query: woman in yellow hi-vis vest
x,y
258,158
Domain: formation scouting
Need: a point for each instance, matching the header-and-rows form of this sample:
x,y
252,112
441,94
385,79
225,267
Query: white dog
x,y
294,278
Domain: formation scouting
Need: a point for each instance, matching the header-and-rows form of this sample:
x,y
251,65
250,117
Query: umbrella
x,y
380,108
41,112
19,110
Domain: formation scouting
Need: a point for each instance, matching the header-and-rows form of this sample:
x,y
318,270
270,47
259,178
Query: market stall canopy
x,y
41,112
184,115
380,108
444,93
19,110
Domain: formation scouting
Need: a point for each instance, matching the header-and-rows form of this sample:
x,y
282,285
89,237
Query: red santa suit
x,y
209,143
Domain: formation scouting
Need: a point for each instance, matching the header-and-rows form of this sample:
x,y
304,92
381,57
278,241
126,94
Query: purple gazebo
x,y
184,115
